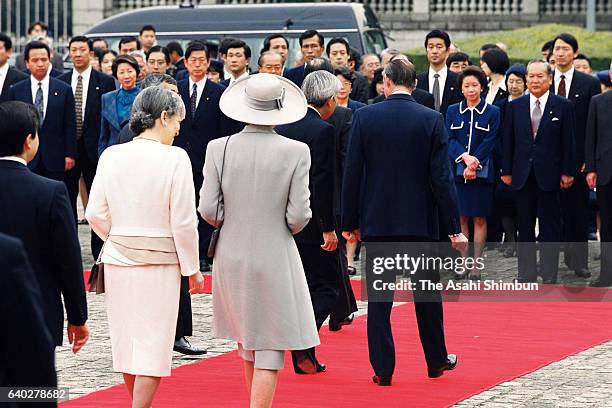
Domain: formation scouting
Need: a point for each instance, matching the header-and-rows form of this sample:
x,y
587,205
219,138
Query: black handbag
x,y
215,234
96,276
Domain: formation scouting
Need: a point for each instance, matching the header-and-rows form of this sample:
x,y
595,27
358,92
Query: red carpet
x,y
495,342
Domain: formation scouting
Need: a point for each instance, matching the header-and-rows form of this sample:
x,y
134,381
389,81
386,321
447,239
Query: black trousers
x,y
429,314
533,203
345,303
604,199
575,210
184,324
87,167
321,269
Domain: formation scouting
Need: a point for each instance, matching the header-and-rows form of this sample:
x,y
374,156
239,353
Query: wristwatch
x,y
454,235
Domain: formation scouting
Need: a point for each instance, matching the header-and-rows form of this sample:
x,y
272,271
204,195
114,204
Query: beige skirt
x,y
142,308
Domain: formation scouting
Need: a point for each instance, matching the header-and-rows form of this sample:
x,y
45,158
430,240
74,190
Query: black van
x,y
251,23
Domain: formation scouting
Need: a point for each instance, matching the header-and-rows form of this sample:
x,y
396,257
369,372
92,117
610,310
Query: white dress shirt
x,y
200,84
45,89
442,80
492,92
532,102
75,77
568,80
14,158
3,72
245,74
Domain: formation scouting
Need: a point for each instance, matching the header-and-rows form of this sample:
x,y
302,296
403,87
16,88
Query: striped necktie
x,y
78,105
39,103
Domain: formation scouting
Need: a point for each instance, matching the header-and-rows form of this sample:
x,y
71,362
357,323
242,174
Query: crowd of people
x,y
191,164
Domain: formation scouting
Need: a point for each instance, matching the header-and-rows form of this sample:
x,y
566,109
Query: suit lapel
x,y
54,97
204,100
184,91
110,110
449,90
93,88
7,81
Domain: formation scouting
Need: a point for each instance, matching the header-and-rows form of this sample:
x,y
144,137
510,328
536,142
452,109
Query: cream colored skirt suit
x,y
143,197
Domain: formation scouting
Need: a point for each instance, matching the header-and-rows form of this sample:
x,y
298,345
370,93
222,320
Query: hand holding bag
x,y
215,234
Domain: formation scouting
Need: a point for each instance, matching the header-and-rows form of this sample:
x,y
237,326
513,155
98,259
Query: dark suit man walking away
x,y
538,161
318,242
21,311
599,175
397,167
579,88
36,210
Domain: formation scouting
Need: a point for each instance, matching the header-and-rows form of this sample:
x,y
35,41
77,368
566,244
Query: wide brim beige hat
x,y
264,99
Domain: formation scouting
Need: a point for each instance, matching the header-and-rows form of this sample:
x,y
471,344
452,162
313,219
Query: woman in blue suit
x,y
117,105
472,127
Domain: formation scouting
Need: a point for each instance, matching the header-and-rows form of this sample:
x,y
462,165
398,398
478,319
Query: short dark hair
x,y
103,54
338,40
196,46
268,40
438,34
19,119
217,66
35,45
547,46
584,57
224,42
309,34
239,44
401,72
98,53
96,39
318,64
125,59
346,73
147,27
476,72
126,40
163,50
355,56
488,46
497,60
42,25
377,78
81,38
567,38
8,44
174,46
458,57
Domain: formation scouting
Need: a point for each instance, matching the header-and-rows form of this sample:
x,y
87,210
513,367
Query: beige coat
x,y
260,294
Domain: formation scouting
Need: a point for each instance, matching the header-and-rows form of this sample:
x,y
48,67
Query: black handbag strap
x,y
221,180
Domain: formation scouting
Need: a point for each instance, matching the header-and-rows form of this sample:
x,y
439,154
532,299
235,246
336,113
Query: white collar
x,y
15,159
45,81
201,83
86,74
443,72
244,74
400,92
568,75
543,99
4,70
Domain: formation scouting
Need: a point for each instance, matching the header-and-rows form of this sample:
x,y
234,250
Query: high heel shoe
x,y
338,326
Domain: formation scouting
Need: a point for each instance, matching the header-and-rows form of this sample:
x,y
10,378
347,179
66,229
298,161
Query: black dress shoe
x,y
582,273
451,363
600,284
382,380
321,367
338,326
303,363
184,347
204,266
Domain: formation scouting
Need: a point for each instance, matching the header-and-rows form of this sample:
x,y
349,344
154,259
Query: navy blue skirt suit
x,y
473,131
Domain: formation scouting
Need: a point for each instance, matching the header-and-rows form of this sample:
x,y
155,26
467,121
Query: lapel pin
x,y
97,88
551,112
55,93
577,95
207,98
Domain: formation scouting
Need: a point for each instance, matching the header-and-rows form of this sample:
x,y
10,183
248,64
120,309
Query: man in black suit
x,y
203,122
338,52
311,45
341,120
55,104
88,85
538,160
390,185
317,243
237,60
438,80
22,313
36,210
8,75
177,58
598,161
579,88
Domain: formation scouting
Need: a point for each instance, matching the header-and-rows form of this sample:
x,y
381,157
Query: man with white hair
x,y
317,243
